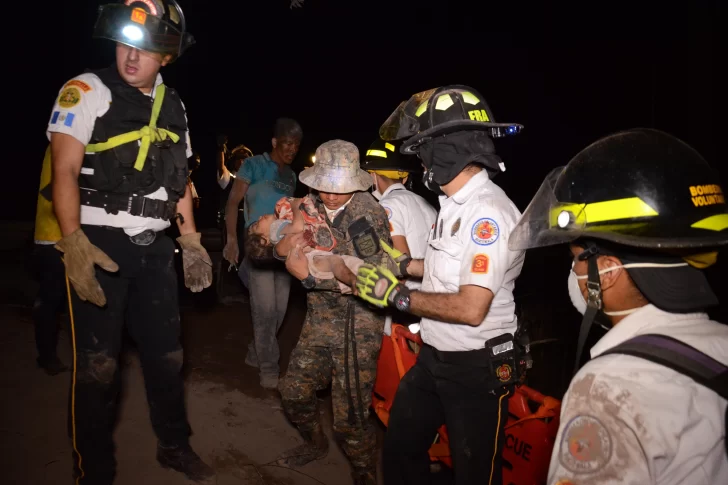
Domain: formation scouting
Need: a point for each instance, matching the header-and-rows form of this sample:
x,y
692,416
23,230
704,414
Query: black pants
x,y
50,300
142,294
468,401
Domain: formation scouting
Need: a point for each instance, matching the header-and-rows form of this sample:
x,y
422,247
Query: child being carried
x,y
297,223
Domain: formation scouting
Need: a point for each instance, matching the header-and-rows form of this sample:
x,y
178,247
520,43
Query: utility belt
x,y
135,205
144,238
505,357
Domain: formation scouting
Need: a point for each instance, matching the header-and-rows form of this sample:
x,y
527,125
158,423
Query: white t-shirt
x,y
630,421
469,246
410,216
78,121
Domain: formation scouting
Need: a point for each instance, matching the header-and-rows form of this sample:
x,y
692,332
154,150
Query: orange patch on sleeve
x,y
480,264
79,84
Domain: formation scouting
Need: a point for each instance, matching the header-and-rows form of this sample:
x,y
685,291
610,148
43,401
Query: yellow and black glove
x,y
378,286
398,260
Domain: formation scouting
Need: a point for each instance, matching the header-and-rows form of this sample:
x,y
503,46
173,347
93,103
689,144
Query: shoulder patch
x,y
485,231
69,97
586,445
79,84
388,211
480,264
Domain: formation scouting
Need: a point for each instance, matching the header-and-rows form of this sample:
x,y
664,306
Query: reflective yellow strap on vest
x,y
148,134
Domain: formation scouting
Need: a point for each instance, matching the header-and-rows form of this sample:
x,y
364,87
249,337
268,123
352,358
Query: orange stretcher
x,y
530,435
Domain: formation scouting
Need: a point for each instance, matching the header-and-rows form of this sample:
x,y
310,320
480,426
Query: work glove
x,y
398,260
377,285
196,263
80,256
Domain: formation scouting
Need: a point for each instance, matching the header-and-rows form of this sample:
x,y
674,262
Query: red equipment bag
x,y
530,435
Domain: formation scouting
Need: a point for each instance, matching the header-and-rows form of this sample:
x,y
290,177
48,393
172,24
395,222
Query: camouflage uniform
x,y
321,356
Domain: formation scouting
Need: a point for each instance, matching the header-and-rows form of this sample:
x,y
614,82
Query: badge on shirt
x,y
65,118
388,211
480,264
485,231
586,445
69,97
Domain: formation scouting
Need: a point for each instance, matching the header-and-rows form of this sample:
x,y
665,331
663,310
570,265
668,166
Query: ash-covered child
x,y
297,225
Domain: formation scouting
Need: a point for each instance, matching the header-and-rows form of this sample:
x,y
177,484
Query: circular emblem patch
x,y
69,98
586,445
388,211
485,232
504,372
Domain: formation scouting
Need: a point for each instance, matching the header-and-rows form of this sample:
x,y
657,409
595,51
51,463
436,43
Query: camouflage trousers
x,y
312,369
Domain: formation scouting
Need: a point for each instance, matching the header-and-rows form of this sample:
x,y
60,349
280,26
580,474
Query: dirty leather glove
x,y
377,285
398,260
80,258
196,262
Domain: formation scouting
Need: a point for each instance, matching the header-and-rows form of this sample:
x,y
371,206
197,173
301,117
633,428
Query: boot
x,y
315,447
52,366
365,476
368,477
184,460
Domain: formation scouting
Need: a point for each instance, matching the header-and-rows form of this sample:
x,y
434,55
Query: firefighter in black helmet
x,y
120,146
466,299
643,213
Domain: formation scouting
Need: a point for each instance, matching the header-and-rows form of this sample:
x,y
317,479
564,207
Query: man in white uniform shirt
x,y
119,150
466,300
638,244
410,216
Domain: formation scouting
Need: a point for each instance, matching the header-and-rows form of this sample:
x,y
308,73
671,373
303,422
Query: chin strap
x,y
594,301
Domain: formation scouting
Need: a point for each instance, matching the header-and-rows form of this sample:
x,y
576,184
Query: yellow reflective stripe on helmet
x,y
377,153
389,147
717,222
469,97
444,102
390,174
702,260
608,210
421,109
147,134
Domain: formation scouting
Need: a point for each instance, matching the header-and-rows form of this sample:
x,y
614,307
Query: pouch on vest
x,y
364,238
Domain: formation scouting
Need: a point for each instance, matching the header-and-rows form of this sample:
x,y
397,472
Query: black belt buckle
x,y
144,238
136,205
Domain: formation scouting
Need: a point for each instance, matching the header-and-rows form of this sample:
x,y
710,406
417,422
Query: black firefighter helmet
x,y
384,158
440,111
149,25
642,188
645,197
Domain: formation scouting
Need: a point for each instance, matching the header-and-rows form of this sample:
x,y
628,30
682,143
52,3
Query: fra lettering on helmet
x,y
478,115
706,195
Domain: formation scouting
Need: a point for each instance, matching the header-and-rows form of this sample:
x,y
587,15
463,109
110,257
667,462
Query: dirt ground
x,y
238,428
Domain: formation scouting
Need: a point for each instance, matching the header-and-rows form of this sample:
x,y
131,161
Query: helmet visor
x,y
548,221
137,28
403,123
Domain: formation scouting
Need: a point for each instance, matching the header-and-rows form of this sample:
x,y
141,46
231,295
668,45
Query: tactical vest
x,y
46,224
117,169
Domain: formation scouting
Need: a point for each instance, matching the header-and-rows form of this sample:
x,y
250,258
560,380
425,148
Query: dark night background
x,y
570,72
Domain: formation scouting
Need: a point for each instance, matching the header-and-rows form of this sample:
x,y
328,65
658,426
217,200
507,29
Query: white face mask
x,y
376,193
577,297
